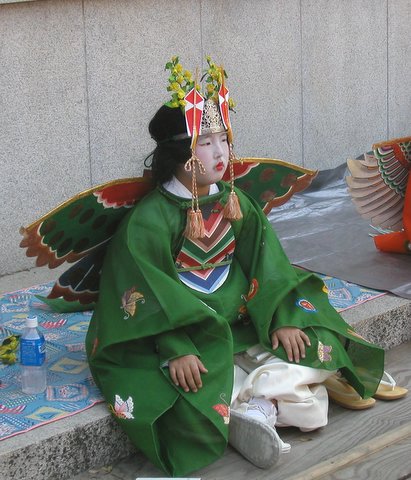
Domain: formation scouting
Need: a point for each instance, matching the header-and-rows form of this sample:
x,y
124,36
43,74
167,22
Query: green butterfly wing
x,y
78,226
79,230
270,182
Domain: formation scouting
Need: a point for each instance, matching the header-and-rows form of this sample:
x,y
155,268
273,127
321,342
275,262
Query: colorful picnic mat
x,y
344,295
71,388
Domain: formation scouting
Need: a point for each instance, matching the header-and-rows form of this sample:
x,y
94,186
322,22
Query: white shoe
x,y
265,411
254,440
258,410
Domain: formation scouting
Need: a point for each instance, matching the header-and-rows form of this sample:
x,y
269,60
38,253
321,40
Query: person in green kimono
x,y
195,280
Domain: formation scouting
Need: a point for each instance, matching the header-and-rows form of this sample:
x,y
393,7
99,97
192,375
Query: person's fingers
x,y
182,379
306,338
185,372
190,379
201,366
173,375
288,349
295,349
274,341
195,371
301,346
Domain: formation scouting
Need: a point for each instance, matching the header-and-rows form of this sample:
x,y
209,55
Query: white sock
x,y
262,410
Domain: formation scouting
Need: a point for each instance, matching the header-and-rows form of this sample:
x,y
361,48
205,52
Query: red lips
x,y
219,166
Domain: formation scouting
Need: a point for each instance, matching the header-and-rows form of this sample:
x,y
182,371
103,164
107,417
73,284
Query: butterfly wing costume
x,y
204,276
163,296
211,298
78,230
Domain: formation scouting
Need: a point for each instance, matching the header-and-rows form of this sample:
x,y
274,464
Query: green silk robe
x,y
146,316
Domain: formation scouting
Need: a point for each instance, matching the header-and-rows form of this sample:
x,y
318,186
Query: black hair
x,y
169,153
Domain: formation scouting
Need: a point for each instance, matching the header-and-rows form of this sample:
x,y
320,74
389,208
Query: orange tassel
x,y
232,209
195,225
195,222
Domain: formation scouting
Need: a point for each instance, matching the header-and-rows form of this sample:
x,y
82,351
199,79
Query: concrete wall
x,y
315,81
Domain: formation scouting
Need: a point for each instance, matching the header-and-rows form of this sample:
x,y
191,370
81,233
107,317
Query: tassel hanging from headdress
x,y
195,223
232,209
193,114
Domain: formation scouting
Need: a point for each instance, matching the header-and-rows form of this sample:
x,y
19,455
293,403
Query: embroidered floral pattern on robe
x,y
324,352
129,302
123,408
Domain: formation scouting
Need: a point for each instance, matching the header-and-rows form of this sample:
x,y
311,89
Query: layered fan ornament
x,y
80,229
380,187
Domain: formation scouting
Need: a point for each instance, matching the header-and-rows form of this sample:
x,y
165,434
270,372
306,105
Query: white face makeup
x,y
212,151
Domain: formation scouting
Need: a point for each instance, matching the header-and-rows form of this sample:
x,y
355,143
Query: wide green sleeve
x,y
268,269
174,344
282,295
145,315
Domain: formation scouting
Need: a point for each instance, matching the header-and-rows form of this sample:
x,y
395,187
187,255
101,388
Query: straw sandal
x,y
388,390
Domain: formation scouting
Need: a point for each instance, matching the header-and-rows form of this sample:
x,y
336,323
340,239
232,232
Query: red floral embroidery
x,y
305,305
224,411
252,292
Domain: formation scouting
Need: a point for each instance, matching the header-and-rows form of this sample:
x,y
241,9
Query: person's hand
x,y
186,372
293,340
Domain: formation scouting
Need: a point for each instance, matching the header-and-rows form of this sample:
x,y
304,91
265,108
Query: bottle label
x,y
32,352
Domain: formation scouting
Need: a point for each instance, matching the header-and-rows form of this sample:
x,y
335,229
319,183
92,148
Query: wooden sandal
x,y
388,390
343,394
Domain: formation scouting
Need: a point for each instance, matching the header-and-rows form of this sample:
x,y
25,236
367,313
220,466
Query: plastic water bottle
x,y
33,358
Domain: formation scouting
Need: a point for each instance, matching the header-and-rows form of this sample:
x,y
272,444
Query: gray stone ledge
x,y
385,320
66,447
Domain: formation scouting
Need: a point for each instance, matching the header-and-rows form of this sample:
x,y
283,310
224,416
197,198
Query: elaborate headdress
x,y
204,113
